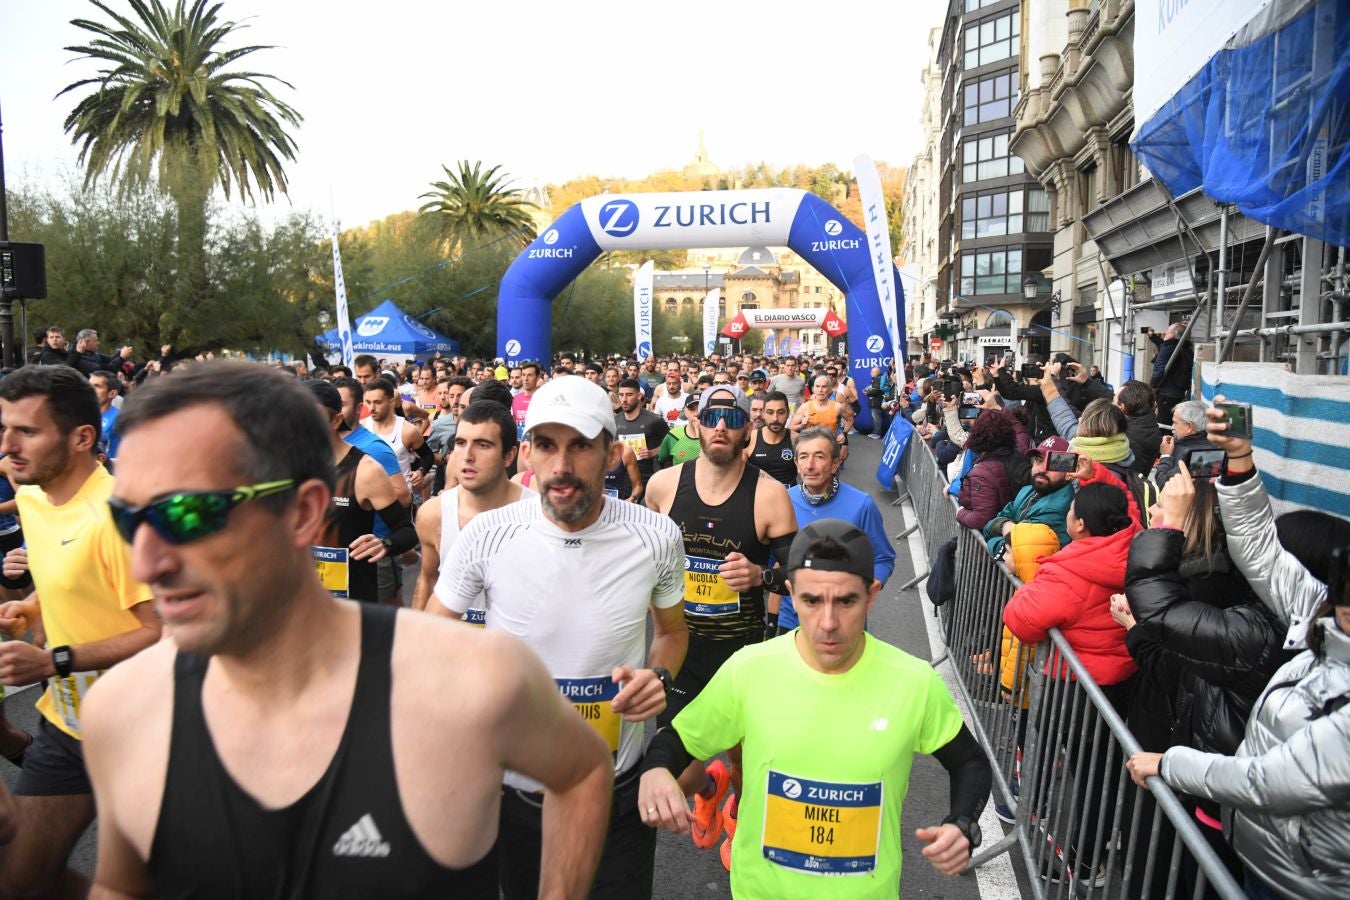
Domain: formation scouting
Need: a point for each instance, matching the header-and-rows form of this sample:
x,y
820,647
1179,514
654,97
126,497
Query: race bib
x,y
594,701
69,692
705,591
331,564
822,827
636,442
475,617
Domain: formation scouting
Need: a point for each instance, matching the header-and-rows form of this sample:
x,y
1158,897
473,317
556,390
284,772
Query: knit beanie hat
x,y
1111,449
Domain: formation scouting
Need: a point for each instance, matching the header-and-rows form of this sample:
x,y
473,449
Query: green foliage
x,y
677,332
472,207
114,258
163,101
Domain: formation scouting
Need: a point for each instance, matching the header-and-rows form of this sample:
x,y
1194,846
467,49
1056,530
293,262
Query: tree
x,y
165,108
472,207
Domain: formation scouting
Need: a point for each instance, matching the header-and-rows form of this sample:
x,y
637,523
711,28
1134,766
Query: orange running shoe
x,y
729,821
707,824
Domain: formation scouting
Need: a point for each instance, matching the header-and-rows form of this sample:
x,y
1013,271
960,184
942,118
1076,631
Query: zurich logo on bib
x,y
833,228
513,347
619,218
551,237
874,343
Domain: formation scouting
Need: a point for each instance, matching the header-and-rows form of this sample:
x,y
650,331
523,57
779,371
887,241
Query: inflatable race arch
x,y
789,217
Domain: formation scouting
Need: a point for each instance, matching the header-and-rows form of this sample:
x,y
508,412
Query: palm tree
x,y
473,206
164,108
164,99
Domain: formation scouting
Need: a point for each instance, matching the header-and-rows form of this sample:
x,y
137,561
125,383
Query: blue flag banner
x,y
892,448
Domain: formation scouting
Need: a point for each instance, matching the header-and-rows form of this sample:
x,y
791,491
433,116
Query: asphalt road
x,y
684,872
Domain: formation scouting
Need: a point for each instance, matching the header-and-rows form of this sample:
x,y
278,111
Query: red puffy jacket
x,y
1072,592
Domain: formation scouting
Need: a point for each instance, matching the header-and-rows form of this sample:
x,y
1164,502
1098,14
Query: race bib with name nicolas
x,y
705,591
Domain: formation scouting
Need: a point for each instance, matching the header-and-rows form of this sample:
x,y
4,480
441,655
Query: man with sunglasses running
x,y
94,613
279,732
732,517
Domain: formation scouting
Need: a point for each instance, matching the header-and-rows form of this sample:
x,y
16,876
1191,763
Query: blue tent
x,y
386,329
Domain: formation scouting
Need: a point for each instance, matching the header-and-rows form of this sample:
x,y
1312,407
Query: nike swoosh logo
x,y
68,540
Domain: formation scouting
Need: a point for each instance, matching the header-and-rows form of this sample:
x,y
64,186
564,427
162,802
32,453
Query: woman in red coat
x,y
1072,592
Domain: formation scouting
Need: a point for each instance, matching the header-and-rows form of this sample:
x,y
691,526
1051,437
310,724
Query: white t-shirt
x,y
579,599
450,533
669,408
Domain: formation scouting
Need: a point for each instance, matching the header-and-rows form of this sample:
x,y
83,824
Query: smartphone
x,y
952,388
1206,464
1239,419
1061,462
1145,329
968,412
1032,370
971,398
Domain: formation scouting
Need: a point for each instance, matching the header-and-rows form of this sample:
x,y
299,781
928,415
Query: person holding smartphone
x,y
1172,364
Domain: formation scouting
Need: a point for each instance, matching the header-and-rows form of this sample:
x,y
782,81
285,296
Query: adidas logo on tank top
x,y
362,839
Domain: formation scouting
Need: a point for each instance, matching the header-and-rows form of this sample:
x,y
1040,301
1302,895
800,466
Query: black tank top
x,y
346,837
618,482
712,610
344,522
779,460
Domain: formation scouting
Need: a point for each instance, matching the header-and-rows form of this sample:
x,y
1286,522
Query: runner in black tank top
x,y
778,460
346,837
344,522
714,611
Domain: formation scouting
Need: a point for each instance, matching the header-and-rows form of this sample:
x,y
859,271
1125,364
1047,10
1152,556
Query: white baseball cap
x,y
574,402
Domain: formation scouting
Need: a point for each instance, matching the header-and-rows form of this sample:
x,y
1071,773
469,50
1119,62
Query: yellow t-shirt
x,y
81,568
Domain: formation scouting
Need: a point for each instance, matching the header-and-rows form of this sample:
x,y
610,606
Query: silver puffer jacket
x,y
1280,580
1286,794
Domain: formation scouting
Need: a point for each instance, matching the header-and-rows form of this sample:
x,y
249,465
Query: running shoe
x,y
729,811
707,824
1004,812
725,853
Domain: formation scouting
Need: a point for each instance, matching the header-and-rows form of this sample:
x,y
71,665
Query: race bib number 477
x,y
822,827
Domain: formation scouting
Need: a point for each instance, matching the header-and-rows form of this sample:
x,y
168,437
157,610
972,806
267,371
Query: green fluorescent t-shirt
x,y
678,447
825,773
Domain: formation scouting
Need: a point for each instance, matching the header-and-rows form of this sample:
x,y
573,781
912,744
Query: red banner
x,y
737,327
833,325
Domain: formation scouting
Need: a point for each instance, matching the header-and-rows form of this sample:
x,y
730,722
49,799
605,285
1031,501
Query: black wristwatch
x,y
967,826
664,676
63,661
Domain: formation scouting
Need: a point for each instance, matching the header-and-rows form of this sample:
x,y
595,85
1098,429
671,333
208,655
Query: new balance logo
x,y
362,839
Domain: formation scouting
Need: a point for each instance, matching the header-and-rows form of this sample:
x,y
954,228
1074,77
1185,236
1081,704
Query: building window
x,y
991,40
972,5
990,98
991,272
1038,210
1127,170
670,303
747,297
991,215
688,301
1087,188
988,157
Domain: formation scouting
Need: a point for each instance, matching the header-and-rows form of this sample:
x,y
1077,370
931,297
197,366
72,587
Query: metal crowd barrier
x,y
1054,739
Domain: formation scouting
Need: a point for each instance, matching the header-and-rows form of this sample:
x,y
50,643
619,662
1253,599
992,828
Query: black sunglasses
x,y
191,515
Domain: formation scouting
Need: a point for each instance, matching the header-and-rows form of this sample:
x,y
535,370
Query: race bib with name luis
x,y
594,701
331,564
822,827
705,591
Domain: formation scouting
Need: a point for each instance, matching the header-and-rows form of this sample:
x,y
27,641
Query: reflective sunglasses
x,y
191,515
734,416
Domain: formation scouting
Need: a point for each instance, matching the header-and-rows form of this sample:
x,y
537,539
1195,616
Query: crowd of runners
x,y
638,600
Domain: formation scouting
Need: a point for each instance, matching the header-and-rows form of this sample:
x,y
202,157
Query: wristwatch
x,y
388,545
63,661
664,676
969,827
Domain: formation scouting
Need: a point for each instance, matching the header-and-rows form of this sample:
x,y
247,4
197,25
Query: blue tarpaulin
x,y
1265,124
386,329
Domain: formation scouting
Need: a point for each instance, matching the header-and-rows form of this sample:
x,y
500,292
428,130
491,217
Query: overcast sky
x,y
391,90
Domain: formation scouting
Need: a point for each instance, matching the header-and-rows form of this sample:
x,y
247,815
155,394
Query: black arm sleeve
x,y
402,532
969,772
425,458
667,752
777,576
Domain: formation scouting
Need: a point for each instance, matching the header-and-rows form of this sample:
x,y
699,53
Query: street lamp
x,y
1031,286
706,271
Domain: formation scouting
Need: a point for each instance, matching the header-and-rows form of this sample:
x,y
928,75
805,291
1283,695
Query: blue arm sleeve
x,y
883,553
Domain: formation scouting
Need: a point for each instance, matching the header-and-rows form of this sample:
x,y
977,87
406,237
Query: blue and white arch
x,y
817,231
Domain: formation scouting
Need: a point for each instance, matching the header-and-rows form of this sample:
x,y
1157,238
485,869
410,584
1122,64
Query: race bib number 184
x,y
822,827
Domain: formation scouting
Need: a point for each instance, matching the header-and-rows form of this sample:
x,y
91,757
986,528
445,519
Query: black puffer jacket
x,y
1145,439
1203,633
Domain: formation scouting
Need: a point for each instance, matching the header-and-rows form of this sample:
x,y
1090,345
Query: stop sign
x,y
935,343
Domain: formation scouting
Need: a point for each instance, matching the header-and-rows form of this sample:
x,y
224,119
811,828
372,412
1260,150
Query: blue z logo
x,y
619,218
